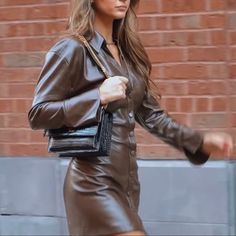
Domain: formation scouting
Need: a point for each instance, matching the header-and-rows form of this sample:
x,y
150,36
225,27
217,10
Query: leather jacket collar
x,y
97,41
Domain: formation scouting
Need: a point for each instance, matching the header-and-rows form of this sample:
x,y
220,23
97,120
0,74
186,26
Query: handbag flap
x,y
68,133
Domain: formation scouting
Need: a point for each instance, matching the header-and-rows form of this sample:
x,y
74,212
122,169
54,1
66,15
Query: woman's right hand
x,y
113,89
218,143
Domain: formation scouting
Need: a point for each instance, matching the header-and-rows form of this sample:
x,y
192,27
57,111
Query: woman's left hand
x,y
217,143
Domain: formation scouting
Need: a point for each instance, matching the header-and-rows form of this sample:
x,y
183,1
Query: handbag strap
x,y
94,56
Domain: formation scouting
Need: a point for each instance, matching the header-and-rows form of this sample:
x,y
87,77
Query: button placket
x,y
132,152
131,173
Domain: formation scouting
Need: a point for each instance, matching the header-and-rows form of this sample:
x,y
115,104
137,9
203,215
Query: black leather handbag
x,y
93,140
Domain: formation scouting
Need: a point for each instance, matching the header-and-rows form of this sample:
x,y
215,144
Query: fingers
x,y
226,150
120,85
220,143
228,146
123,79
113,89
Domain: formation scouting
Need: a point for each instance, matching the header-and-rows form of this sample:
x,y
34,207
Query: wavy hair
x,y
81,22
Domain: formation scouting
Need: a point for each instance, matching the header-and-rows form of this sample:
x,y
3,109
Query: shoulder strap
x,y
94,56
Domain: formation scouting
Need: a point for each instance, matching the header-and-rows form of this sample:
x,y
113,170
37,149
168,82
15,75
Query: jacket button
x,y
131,134
131,115
132,152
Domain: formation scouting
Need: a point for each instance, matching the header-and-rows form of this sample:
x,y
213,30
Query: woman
x,y
102,193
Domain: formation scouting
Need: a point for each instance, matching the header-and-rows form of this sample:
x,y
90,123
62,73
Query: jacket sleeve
x,y
158,122
53,106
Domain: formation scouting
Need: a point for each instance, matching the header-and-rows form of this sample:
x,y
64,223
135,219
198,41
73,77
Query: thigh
x,y
132,233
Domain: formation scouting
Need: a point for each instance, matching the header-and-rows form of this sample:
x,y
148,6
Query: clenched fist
x,y
217,143
113,89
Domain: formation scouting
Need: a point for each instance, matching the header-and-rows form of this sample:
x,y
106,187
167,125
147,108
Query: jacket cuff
x,y
198,157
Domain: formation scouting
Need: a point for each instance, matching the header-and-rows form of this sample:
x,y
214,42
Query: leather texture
x,y
93,140
102,193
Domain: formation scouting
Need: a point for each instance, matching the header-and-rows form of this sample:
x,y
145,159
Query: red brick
x,y
209,120
4,148
218,87
186,22
32,29
12,13
231,20
217,5
12,45
26,44
233,103
231,4
232,87
143,137
219,104
13,75
154,23
53,28
15,29
185,71
183,118
185,38
217,37
4,90
6,106
18,135
232,35
17,120
198,88
218,71
213,21
158,152
33,59
171,104
173,88
150,39
233,53
39,44
21,90
29,149
232,71
3,123
202,104
23,2
37,137
15,106
158,55
233,119
207,54
149,6
22,105
175,6
188,43
156,72
186,104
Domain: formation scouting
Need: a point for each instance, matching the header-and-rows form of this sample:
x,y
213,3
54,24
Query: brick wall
x,y
192,45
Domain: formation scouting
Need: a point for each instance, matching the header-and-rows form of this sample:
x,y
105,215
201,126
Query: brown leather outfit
x,y
102,193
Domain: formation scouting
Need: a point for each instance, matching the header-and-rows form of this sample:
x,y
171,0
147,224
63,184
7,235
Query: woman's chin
x,y
119,16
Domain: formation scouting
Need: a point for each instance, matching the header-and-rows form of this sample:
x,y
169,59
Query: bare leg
x,y
132,233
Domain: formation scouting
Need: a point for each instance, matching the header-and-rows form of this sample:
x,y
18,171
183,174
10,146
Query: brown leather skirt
x,y
102,194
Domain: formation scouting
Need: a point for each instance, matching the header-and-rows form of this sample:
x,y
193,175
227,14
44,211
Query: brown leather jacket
x,y
67,94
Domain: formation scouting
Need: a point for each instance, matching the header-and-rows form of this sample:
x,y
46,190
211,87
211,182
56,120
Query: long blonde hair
x,y
125,31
